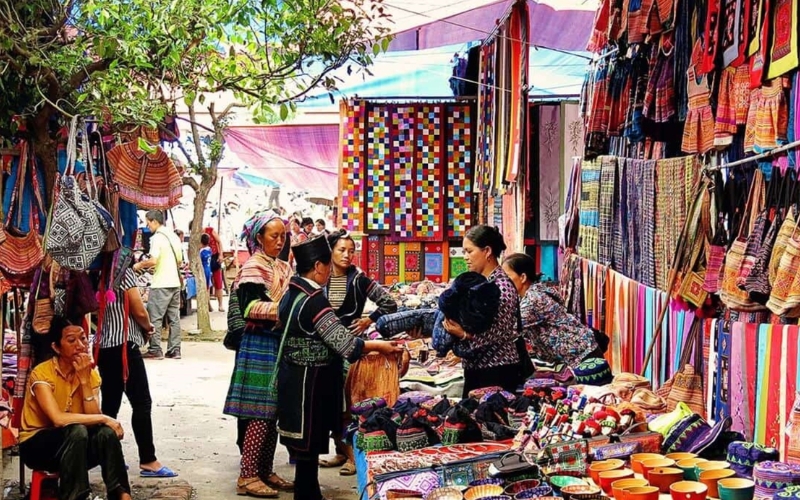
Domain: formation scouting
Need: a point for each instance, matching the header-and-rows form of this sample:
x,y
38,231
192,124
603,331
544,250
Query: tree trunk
x,y
200,198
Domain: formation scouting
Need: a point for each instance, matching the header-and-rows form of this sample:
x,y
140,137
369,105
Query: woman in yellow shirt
x,y
63,429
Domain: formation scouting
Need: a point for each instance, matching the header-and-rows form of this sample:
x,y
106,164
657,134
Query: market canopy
x,y
297,157
424,24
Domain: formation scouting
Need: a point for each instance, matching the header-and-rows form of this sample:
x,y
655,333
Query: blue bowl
x,y
489,480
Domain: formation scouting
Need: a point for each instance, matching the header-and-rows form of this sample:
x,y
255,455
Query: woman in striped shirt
x,y
125,327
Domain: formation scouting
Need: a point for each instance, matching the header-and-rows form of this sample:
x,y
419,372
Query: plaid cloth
x,y
608,182
637,20
589,209
620,97
647,224
674,180
659,100
619,260
600,101
633,253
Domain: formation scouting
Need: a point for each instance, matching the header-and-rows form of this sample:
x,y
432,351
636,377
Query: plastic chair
x,y
38,477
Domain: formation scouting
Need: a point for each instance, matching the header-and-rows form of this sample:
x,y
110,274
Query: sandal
x,y
254,487
348,469
336,461
280,484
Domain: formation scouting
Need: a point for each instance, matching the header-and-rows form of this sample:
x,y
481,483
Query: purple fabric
x,y
298,156
550,28
738,386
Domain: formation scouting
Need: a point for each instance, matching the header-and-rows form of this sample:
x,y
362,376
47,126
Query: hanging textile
x,y
378,189
459,171
783,55
589,215
436,261
550,175
351,208
731,13
605,224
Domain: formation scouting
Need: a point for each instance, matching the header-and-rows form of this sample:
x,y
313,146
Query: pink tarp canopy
x,y
555,24
299,157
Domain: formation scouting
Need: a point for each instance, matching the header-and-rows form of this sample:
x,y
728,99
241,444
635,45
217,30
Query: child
x,y
205,258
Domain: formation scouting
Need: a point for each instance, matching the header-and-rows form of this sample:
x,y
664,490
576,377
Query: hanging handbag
x,y
784,233
731,295
236,323
715,260
81,298
21,253
107,193
686,386
79,225
757,283
782,300
43,311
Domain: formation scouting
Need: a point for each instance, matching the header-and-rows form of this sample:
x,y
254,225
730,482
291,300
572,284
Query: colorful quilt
x,y
378,192
402,166
351,179
459,171
436,261
428,206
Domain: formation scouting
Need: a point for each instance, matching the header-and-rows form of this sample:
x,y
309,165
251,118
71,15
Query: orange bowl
x,y
609,476
711,477
638,458
680,455
598,467
619,486
688,490
655,463
664,477
641,493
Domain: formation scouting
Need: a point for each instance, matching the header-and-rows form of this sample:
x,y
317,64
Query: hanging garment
x,y
712,37
759,48
151,181
768,118
731,26
725,124
783,56
659,100
698,131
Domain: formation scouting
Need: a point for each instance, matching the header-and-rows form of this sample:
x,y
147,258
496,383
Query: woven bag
x,y
21,253
715,260
784,298
757,283
79,225
731,295
755,241
686,386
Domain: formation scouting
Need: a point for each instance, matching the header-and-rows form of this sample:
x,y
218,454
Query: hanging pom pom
x,y
111,296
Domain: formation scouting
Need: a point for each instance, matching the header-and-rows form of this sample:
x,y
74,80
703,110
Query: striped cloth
x,y
620,218
647,223
634,210
674,180
337,291
589,209
605,236
768,117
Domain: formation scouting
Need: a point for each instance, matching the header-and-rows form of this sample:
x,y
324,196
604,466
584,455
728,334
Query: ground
x,y
192,435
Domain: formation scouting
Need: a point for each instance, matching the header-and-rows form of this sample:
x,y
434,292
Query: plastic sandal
x,y
254,487
277,482
348,469
336,461
162,472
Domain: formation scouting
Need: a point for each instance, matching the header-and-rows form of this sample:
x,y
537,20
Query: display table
x,y
426,468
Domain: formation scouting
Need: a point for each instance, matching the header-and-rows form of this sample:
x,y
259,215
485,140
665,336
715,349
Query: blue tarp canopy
x,y
426,73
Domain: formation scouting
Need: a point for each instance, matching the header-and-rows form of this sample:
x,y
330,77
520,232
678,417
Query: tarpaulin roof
x,y
298,157
426,73
423,24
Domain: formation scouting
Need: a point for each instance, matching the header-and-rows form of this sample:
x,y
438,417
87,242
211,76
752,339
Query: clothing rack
x,y
767,154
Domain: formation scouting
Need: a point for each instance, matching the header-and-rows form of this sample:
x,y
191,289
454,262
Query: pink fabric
x,y
296,156
736,389
550,28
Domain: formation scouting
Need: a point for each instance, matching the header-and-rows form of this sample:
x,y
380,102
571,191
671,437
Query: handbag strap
x,y
91,182
754,205
274,376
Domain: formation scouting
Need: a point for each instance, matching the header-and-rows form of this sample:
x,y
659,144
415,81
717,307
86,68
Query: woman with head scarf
x,y
348,289
310,377
261,284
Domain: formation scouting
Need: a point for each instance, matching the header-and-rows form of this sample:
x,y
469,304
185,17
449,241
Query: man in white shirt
x,y
166,256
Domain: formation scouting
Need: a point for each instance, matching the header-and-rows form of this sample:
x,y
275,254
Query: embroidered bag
x,y
754,242
565,458
731,295
686,386
79,225
781,241
715,260
782,300
236,323
42,304
21,253
757,283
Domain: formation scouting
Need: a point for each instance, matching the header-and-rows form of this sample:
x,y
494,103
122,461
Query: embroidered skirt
x,y
249,394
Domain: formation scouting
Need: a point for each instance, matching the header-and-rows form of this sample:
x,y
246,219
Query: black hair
x,y
57,326
306,221
336,236
321,221
487,236
306,267
205,239
521,264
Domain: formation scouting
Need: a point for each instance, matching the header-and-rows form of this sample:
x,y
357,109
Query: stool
x,y
38,477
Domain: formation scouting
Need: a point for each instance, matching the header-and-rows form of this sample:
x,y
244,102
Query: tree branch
x,y
198,146
84,73
188,180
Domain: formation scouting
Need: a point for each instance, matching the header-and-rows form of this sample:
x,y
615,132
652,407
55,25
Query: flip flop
x,y
162,472
336,461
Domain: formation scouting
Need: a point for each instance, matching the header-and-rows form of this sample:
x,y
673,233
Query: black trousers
x,y
137,390
508,377
72,451
306,478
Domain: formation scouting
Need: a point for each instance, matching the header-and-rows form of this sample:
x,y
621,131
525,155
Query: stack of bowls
x,y
581,492
638,458
619,487
605,465
655,463
610,476
711,477
688,467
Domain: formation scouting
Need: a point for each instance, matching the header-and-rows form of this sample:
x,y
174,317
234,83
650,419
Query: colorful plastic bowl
x,y
688,467
445,494
655,463
664,477
483,491
488,480
558,482
638,458
711,477
581,492
641,493
619,486
605,465
680,455
688,490
735,488
520,486
609,476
